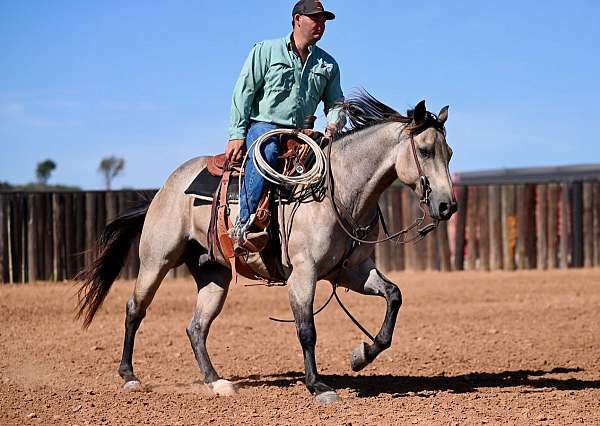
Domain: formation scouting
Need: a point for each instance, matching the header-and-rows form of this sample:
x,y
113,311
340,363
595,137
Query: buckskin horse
x,y
380,146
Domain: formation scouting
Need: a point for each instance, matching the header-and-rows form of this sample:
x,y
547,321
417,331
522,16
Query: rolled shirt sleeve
x,y
250,80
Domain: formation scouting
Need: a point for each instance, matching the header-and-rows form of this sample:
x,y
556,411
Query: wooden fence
x,y
502,227
45,236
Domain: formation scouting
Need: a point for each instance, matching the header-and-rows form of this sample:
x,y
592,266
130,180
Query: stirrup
x,y
250,242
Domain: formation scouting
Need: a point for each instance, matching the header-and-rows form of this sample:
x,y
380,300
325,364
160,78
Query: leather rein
x,y
355,230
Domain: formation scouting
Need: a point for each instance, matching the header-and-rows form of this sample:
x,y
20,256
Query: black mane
x,y
363,110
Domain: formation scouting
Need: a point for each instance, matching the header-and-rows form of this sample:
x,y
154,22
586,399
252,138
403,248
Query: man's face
x,y
311,27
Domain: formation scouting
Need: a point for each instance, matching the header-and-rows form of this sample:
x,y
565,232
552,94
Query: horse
x,y
378,146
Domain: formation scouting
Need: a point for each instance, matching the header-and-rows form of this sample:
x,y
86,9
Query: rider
x,y
281,83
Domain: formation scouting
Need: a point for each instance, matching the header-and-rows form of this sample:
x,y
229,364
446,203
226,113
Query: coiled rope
x,y
314,176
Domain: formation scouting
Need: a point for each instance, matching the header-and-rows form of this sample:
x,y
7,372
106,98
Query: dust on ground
x,y
469,348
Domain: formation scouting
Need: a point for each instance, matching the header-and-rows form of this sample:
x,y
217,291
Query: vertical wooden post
x,y
407,218
577,223
419,249
526,249
444,247
49,238
16,238
495,220
4,253
461,224
69,224
79,207
112,206
542,227
565,225
395,224
432,252
31,238
472,214
90,226
134,253
100,212
509,227
382,255
588,224
597,224
484,228
553,191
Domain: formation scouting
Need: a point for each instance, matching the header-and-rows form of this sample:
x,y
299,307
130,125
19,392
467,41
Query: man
x,y
281,83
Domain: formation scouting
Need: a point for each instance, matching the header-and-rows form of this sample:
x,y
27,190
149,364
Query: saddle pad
x,y
204,186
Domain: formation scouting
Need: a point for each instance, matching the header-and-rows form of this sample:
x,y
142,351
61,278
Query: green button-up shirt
x,y
275,87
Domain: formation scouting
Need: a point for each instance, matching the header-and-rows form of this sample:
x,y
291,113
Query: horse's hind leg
x,y
148,281
213,281
366,279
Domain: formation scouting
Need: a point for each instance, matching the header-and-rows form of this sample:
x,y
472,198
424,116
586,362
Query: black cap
x,y
311,7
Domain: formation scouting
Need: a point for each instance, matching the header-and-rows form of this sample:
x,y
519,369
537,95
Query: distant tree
x,y
110,168
44,170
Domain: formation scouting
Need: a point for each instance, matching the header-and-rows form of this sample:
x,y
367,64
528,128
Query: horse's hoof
x,y
358,359
222,388
328,397
132,386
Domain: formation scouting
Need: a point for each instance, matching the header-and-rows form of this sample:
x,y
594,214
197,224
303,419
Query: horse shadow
x,y
399,386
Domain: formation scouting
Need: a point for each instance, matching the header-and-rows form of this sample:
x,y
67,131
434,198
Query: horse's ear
x,y
420,112
443,115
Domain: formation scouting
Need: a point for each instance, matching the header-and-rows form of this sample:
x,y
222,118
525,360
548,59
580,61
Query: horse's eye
x,y
425,153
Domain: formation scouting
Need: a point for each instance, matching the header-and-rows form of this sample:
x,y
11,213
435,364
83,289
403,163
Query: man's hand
x,y
331,131
235,150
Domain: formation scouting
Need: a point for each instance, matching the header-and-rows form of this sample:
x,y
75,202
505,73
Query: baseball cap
x,y
311,7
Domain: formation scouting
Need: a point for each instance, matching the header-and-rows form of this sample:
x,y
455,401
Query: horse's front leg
x,y
366,279
302,284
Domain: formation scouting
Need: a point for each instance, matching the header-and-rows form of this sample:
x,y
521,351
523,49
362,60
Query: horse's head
x,y
422,161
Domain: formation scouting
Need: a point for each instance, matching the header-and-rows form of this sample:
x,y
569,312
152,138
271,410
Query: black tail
x,y
111,252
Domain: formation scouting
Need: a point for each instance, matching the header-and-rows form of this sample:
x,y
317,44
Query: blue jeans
x,y
254,184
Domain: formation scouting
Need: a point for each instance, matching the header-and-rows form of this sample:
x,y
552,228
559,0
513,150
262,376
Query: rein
x,y
355,230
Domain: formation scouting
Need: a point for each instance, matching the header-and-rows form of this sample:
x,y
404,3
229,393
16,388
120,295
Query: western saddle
x,y
295,153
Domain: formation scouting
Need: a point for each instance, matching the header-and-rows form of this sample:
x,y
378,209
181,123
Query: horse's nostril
x,y
443,208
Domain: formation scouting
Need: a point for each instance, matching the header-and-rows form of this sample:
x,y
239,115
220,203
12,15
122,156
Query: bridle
x,y
401,237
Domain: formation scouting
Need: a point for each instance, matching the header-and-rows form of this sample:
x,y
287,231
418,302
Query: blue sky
x,y
151,81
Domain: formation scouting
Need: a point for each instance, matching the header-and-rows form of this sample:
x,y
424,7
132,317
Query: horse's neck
x,y
363,166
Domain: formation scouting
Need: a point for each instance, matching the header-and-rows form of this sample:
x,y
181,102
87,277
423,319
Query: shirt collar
x,y
291,47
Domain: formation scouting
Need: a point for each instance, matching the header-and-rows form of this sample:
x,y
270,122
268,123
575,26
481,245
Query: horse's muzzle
x,y
445,210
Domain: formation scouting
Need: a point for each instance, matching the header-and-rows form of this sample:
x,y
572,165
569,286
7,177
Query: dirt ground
x,y
469,348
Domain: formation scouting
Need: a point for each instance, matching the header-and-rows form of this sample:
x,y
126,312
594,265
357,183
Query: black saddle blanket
x,y
205,185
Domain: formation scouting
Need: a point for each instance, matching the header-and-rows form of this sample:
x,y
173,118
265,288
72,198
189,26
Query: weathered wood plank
x,y
382,255
509,227
461,224
31,238
588,224
444,247
395,224
90,226
577,224
565,225
407,218
495,221
597,224
484,228
4,251
472,215
542,227
553,204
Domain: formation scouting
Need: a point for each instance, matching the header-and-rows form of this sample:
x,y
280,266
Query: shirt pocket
x,y
280,77
318,79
